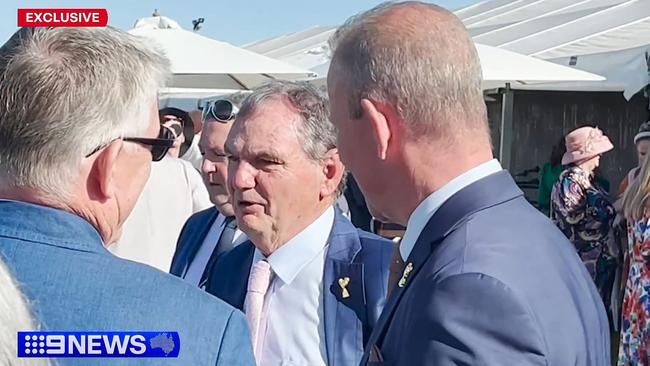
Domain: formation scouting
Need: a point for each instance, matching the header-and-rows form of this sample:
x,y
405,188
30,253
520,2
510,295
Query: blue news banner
x,y
98,344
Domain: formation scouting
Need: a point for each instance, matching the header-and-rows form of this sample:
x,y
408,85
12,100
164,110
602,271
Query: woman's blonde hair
x,y
636,197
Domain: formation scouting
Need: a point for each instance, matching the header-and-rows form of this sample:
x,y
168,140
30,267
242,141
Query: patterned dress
x,y
635,328
584,212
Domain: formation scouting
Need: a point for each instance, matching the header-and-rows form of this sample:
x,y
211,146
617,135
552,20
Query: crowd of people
x,y
264,265
608,231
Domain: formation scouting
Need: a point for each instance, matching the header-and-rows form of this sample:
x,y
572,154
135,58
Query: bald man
x,y
487,280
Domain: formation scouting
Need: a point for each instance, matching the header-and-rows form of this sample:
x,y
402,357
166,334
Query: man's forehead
x,y
216,129
214,134
273,118
264,134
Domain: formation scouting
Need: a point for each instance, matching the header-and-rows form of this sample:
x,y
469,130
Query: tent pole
x,y
505,143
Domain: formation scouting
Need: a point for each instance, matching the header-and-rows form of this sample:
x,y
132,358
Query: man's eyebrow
x,y
271,154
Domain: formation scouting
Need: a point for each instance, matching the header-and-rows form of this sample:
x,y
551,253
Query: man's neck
x,y
427,170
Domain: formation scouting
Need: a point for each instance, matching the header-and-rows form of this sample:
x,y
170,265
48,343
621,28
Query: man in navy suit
x,y
78,132
312,286
211,232
487,280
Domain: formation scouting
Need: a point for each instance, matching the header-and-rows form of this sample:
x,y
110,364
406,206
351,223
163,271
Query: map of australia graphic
x,y
163,341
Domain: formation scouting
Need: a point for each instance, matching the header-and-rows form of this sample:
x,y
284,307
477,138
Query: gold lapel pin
x,y
343,282
405,275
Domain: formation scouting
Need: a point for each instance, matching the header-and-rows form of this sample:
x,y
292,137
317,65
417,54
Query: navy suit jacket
x,y
359,255
74,284
191,238
495,283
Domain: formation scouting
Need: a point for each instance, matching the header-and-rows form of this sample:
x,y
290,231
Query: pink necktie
x,y
258,284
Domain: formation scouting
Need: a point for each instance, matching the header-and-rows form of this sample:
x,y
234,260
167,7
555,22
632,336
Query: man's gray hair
x,y
236,98
317,132
431,74
15,316
65,92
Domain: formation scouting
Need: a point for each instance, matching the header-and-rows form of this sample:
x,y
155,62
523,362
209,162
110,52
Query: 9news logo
x,y
98,344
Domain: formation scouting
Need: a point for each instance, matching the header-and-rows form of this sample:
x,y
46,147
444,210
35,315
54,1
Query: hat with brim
x,y
188,125
585,143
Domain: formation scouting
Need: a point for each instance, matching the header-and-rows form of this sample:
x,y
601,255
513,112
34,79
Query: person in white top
x,y
310,283
173,192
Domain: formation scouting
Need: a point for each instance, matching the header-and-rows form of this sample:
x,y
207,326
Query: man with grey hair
x,y
78,131
487,279
311,285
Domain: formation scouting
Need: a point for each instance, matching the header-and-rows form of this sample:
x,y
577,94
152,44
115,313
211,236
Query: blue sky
x,y
237,22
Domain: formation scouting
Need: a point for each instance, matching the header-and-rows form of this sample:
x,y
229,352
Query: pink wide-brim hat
x,y
585,143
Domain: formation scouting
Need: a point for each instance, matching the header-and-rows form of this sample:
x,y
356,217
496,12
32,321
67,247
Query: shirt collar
x,y
46,225
432,203
289,259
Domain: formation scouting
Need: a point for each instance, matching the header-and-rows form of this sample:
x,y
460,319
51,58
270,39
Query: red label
x,y
62,17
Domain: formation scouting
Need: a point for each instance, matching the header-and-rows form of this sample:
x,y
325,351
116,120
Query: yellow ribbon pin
x,y
405,275
343,282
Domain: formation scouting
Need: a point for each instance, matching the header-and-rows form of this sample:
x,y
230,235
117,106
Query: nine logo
x,y
98,344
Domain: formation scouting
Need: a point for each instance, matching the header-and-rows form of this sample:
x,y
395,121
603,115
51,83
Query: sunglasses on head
x,y
157,146
221,110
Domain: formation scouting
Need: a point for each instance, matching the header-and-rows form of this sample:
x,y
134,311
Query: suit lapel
x,y
195,239
492,190
229,279
343,330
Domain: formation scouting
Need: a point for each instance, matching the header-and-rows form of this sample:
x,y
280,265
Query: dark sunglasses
x,y
157,146
221,110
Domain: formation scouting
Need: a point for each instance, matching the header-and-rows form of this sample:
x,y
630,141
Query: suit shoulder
x,y
202,215
368,238
477,301
375,249
197,221
167,292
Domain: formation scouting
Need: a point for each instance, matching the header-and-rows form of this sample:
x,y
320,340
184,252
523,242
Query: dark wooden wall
x,y
542,117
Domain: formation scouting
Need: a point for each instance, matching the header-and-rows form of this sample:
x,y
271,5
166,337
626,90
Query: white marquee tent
x,y
309,49
606,37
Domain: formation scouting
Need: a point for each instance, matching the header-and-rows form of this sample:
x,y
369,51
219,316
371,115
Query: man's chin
x,y
379,215
225,209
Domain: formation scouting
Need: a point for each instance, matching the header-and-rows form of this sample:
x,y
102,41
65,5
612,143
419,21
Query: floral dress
x,y
635,326
585,213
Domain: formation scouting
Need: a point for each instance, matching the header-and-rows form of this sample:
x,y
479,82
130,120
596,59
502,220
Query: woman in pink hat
x,y
583,210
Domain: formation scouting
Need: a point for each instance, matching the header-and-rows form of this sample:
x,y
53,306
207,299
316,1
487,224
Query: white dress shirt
x,y
195,270
294,333
425,210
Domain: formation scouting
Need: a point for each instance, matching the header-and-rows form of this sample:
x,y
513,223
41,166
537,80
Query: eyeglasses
x,y
221,110
158,146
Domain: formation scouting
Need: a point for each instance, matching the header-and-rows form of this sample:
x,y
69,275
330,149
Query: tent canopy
x,y
201,62
309,49
606,37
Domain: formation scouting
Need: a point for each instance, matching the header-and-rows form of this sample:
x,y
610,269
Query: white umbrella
x,y
499,67
502,66
201,62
